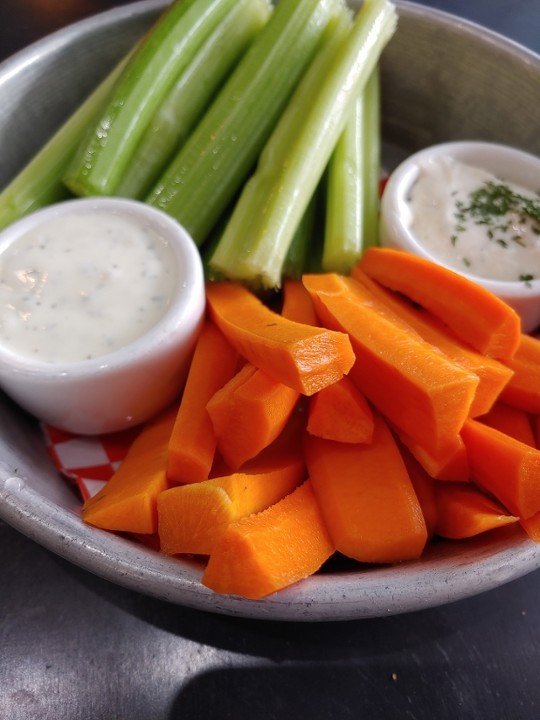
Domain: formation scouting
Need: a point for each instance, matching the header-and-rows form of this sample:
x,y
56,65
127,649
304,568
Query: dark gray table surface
x,y
73,646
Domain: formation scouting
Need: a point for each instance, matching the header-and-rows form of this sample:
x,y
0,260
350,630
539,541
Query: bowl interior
x,y
437,84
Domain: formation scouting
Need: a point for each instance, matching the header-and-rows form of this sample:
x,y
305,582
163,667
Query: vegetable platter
x,y
434,89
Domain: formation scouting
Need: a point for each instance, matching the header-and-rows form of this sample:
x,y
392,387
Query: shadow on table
x,y
372,690
325,642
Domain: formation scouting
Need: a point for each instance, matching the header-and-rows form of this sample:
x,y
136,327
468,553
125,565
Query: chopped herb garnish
x,y
489,206
527,279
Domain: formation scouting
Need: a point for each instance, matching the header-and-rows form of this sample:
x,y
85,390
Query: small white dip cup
x,y
514,166
114,391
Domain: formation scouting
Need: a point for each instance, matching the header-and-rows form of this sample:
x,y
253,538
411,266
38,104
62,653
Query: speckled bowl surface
x,y
437,77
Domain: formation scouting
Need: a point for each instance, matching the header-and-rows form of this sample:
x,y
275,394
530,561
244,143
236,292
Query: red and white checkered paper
x,y
87,462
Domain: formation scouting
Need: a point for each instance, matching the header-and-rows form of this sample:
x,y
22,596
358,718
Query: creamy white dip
x,y
83,285
474,222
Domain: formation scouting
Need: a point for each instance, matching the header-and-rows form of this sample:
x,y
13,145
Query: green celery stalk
x,y
167,50
352,184
192,94
219,155
257,238
39,182
303,239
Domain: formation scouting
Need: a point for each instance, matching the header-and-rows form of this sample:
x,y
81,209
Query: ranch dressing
x,y
83,285
474,222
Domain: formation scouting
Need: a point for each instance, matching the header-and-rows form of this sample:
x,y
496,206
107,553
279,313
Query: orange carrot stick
x,y
304,357
451,463
505,467
192,445
297,303
367,498
511,421
127,502
464,511
268,551
523,390
424,487
340,412
531,526
493,375
193,517
248,413
412,383
476,315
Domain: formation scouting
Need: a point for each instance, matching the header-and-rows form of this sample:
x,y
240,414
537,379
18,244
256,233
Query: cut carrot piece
x,y
248,413
127,503
464,511
493,375
304,357
285,448
297,303
505,467
523,390
367,498
268,551
531,526
511,421
192,445
193,517
412,383
424,487
340,412
451,463
476,315
535,424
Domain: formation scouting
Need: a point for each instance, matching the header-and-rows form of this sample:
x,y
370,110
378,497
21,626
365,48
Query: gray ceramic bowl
x,y
438,86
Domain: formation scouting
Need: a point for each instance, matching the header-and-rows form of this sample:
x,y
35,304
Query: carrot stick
x,y
523,390
493,375
193,517
412,383
424,487
367,498
127,502
248,413
464,511
451,463
340,412
303,357
477,316
268,551
511,421
192,445
505,467
531,526
297,303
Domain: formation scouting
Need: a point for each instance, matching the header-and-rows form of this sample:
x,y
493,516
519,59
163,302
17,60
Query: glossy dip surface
x,y
473,221
82,285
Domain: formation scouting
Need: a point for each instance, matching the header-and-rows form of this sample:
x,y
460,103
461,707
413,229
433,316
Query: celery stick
x,y
256,240
352,187
167,50
220,153
192,94
372,159
39,183
295,262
